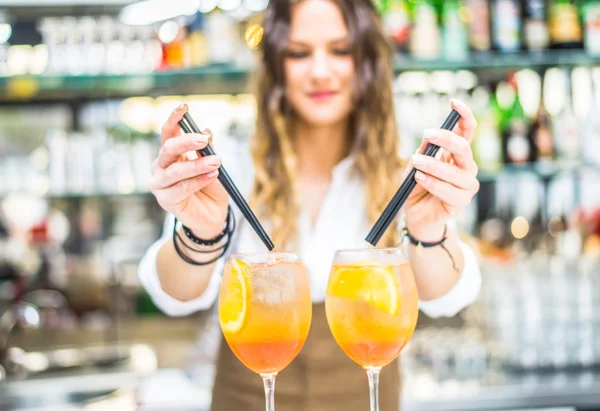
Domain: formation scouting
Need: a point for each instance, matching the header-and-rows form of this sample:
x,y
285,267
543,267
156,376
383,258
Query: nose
x,y
320,68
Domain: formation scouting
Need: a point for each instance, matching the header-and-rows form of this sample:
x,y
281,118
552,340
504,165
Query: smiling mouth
x,y
322,95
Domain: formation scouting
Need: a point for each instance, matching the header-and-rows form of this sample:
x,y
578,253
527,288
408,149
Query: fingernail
x,y
430,134
420,176
199,139
181,107
418,159
213,173
213,160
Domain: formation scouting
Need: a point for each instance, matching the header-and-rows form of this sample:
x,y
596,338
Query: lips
x,y
322,95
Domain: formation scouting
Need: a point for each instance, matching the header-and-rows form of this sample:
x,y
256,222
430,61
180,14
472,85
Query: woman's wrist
x,y
426,232
195,250
204,233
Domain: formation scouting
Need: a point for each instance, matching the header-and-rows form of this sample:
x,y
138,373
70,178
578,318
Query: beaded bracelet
x,y
229,229
213,241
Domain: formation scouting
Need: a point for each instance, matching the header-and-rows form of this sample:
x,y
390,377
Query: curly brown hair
x,y
373,136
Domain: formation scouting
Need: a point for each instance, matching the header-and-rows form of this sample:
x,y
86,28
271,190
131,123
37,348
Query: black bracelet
x,y
213,241
230,225
423,244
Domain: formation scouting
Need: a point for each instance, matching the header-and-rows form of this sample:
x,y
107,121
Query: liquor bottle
x,y
480,38
518,147
591,18
535,31
456,43
564,25
196,41
175,51
487,144
222,37
566,126
507,25
540,134
590,127
396,22
425,34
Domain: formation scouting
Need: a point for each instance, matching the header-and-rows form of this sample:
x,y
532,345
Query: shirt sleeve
x,y
236,159
464,292
171,306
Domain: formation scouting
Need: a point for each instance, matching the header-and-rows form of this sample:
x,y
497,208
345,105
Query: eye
x,y
295,54
342,51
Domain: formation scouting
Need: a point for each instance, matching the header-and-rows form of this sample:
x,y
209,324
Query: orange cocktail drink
x,y
372,306
265,311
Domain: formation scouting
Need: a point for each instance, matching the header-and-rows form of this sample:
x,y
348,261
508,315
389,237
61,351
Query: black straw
x,y
229,185
408,185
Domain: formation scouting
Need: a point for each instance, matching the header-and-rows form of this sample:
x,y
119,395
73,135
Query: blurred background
x,y
85,86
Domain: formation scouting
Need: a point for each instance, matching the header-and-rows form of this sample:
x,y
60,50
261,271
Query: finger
x,y
454,144
171,128
446,192
183,189
444,171
182,170
422,147
441,154
175,147
467,125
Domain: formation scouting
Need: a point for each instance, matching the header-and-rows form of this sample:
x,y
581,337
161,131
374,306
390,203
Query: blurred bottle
x,y
89,52
134,49
480,38
196,42
152,54
487,145
535,31
174,56
591,18
397,23
425,35
566,126
518,148
590,128
540,134
115,48
222,37
564,24
57,145
456,42
506,25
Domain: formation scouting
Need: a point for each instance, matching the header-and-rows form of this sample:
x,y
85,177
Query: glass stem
x,y
269,381
373,374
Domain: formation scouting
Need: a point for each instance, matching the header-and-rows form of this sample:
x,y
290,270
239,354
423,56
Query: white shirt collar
x,y
341,169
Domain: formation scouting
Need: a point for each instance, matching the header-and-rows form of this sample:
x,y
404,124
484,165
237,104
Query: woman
x,y
323,164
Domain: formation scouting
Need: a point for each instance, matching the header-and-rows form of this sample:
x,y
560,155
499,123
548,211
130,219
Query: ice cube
x,y
274,285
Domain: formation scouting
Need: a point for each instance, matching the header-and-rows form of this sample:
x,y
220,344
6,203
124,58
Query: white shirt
x,y
341,224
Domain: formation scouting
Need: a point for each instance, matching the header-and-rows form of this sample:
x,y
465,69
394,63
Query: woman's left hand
x,y
445,186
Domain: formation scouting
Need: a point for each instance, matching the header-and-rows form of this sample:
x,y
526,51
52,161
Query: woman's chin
x,y
324,118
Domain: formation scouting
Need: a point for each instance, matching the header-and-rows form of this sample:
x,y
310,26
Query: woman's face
x,y
318,63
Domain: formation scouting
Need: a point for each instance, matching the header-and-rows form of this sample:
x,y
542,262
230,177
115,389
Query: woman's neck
x,y
320,148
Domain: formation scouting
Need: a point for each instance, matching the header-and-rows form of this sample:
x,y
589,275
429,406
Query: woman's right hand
x,y
185,184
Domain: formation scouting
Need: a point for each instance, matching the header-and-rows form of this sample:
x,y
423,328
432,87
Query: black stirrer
x,y
228,184
408,185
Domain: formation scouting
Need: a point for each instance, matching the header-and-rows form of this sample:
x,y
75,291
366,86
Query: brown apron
x,y
321,378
